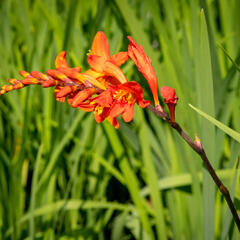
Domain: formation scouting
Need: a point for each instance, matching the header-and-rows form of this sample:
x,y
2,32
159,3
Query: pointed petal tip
x,y
100,33
62,54
24,73
128,113
120,58
61,60
130,38
100,46
132,42
113,121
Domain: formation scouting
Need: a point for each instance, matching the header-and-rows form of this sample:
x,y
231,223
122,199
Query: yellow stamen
x,y
89,52
99,109
130,98
124,96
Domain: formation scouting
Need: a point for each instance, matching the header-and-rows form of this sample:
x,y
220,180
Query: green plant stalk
x,y
200,151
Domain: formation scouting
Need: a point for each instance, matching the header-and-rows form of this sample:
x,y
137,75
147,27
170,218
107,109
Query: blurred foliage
x,y
63,176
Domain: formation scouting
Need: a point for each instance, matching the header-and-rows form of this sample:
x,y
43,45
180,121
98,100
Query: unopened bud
x,y
24,73
170,98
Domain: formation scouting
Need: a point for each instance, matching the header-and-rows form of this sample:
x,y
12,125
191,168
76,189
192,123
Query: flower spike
x,y
103,89
170,98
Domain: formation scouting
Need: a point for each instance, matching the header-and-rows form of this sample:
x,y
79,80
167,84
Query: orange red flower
x,y
118,100
103,89
102,63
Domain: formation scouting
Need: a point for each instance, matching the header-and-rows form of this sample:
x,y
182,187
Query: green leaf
x,y
206,102
130,177
56,152
179,181
235,135
72,205
151,177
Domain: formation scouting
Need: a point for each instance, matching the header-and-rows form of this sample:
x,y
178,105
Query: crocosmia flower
x,y
101,61
144,65
118,100
103,89
170,98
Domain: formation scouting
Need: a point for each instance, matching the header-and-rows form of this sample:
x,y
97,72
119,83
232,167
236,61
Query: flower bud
x,y
170,98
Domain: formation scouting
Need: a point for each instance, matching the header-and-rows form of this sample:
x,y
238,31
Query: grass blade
x,y
206,102
235,135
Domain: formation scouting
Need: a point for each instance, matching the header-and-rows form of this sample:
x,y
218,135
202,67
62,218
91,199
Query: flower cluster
x,y
103,89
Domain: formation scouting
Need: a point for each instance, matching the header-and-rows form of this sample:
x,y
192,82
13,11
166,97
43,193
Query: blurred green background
x,y
63,176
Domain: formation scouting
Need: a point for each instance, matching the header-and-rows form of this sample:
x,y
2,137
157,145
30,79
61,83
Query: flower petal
x,y
31,80
113,121
100,46
40,75
120,58
93,81
80,78
86,107
117,109
113,70
96,62
143,103
77,69
66,91
104,99
18,85
61,60
101,117
94,74
128,113
74,75
60,99
144,65
81,96
50,83
107,67
56,74
24,73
